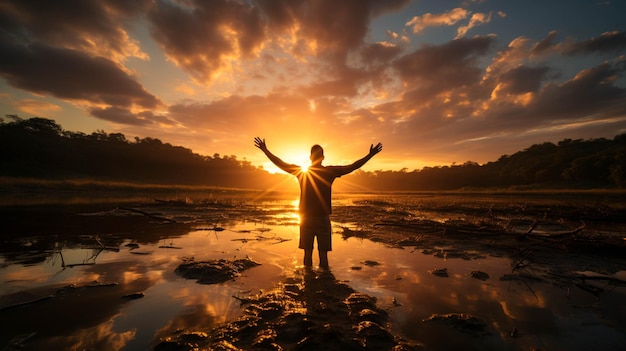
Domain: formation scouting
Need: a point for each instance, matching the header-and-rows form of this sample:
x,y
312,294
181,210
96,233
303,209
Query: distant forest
x,y
39,148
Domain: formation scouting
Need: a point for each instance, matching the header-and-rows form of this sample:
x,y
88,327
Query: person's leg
x,y
324,243
323,259
308,258
307,236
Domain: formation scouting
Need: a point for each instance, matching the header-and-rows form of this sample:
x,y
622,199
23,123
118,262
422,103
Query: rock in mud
x,y
440,272
134,296
370,263
373,336
216,271
479,275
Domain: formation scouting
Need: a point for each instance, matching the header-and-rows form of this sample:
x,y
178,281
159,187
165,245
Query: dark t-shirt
x,y
315,188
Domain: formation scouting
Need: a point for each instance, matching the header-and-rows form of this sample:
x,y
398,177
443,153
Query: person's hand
x,y
375,149
260,143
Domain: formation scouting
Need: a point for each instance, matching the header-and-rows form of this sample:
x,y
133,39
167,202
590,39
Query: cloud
x,y
592,91
419,23
75,52
544,45
445,66
449,98
243,113
607,42
93,27
475,20
450,18
209,39
380,53
70,74
380,7
206,37
514,55
125,116
522,79
36,107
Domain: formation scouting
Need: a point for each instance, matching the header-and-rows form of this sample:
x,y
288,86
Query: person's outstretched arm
x,y
358,164
289,168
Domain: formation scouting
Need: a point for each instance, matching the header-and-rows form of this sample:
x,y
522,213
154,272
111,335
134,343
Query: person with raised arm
x,y
315,197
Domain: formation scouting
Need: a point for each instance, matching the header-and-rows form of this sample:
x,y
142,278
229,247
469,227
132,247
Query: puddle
x,y
49,299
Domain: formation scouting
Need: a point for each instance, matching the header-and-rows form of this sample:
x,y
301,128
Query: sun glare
x,y
301,160
305,166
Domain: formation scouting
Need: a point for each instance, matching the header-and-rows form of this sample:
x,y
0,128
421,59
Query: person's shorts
x,y
312,227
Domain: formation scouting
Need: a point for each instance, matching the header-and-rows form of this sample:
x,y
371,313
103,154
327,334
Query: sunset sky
x,y
437,82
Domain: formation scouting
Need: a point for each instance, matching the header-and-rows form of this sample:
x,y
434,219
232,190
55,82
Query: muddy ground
x,y
551,241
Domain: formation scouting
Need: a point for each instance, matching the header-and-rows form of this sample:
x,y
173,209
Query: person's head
x,y
317,154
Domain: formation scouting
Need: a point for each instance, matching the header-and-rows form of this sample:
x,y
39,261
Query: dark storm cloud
x,y
71,74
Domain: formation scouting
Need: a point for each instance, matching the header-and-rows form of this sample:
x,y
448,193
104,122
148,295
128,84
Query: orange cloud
x,y
419,23
37,108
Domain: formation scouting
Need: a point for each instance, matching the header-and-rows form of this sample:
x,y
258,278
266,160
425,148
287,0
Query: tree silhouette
x,y
40,148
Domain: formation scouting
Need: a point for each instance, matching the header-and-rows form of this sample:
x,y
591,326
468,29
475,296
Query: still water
x,y
88,309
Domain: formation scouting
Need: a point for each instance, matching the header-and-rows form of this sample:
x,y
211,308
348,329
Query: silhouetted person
x,y
315,194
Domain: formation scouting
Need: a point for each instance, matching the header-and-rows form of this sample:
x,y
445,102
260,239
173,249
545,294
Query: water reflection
x,y
520,314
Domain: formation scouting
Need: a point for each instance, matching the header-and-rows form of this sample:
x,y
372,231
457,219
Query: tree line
x,y
569,164
39,148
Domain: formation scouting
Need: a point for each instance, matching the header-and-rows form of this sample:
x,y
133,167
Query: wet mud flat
x,y
310,310
577,246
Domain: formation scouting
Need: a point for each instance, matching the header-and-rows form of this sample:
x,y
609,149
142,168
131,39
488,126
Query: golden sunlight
x,y
300,159
304,166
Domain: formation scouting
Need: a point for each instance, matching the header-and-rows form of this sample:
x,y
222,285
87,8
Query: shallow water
x,y
520,314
